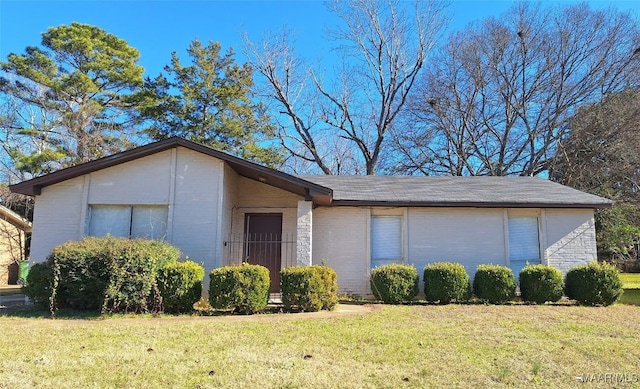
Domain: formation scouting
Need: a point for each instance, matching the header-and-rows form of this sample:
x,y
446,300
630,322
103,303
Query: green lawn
x,y
388,347
631,285
630,280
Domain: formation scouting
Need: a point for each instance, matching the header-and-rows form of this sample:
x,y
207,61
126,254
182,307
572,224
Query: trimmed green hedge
x,y
394,283
309,288
243,288
180,285
593,284
446,282
494,283
109,274
540,283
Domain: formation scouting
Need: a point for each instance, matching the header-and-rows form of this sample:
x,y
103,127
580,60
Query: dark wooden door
x,y
263,234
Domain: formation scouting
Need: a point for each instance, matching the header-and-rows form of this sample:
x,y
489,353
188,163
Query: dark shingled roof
x,y
521,192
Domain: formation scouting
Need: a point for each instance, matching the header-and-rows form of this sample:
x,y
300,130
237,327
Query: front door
x,y
263,244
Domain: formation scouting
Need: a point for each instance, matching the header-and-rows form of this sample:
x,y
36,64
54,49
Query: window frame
x,y
525,213
131,209
399,214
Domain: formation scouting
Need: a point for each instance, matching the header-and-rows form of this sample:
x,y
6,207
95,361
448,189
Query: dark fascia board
x,y
444,204
245,168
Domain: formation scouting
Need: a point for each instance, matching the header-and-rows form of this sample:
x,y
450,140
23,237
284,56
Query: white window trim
x,y
376,212
542,242
88,215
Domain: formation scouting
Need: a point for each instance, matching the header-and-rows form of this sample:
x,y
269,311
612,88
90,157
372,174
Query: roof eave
x,y
261,173
467,204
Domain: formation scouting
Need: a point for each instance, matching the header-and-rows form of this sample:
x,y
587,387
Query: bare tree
x,y
601,153
383,46
600,156
497,98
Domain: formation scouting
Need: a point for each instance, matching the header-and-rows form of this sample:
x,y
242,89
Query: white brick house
x,y
219,210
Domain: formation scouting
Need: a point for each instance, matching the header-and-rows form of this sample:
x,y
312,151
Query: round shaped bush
x,y
494,283
309,288
394,283
180,285
243,289
540,283
445,282
593,284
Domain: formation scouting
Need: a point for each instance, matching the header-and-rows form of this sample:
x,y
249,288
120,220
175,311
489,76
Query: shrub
x,y
593,284
243,288
309,288
110,274
202,306
540,283
38,286
394,283
446,282
494,283
180,285
330,280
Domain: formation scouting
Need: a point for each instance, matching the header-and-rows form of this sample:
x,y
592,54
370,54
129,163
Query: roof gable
x,y
244,168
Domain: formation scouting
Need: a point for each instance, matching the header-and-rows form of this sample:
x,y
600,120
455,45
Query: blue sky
x,y
156,28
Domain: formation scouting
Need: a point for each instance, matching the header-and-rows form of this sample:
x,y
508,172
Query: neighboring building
x,y
13,233
219,210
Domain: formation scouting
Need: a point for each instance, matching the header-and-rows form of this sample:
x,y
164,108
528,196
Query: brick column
x,y
303,235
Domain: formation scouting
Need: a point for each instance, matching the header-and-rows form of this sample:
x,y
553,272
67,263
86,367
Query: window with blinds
x,y
524,242
386,240
129,221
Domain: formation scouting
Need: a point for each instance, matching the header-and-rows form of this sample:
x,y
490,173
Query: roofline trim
x,y
466,204
34,186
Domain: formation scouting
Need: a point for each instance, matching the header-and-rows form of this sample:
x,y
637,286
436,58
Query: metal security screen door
x,y
263,234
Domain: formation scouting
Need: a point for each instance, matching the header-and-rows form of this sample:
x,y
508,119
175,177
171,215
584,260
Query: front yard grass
x,y
630,280
391,347
631,285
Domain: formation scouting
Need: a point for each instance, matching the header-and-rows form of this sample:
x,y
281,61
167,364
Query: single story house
x,y
13,233
219,210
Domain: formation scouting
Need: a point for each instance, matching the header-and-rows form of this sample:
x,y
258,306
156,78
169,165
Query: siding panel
x,y
143,181
257,194
571,237
468,236
196,208
229,203
340,237
57,217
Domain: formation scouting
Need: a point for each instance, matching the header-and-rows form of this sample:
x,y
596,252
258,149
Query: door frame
x,y
275,266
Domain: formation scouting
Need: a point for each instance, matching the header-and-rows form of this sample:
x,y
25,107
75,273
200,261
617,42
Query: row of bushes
x,y
591,284
245,288
122,275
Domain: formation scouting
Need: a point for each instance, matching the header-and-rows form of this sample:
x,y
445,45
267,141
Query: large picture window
x,y
386,240
130,221
524,242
